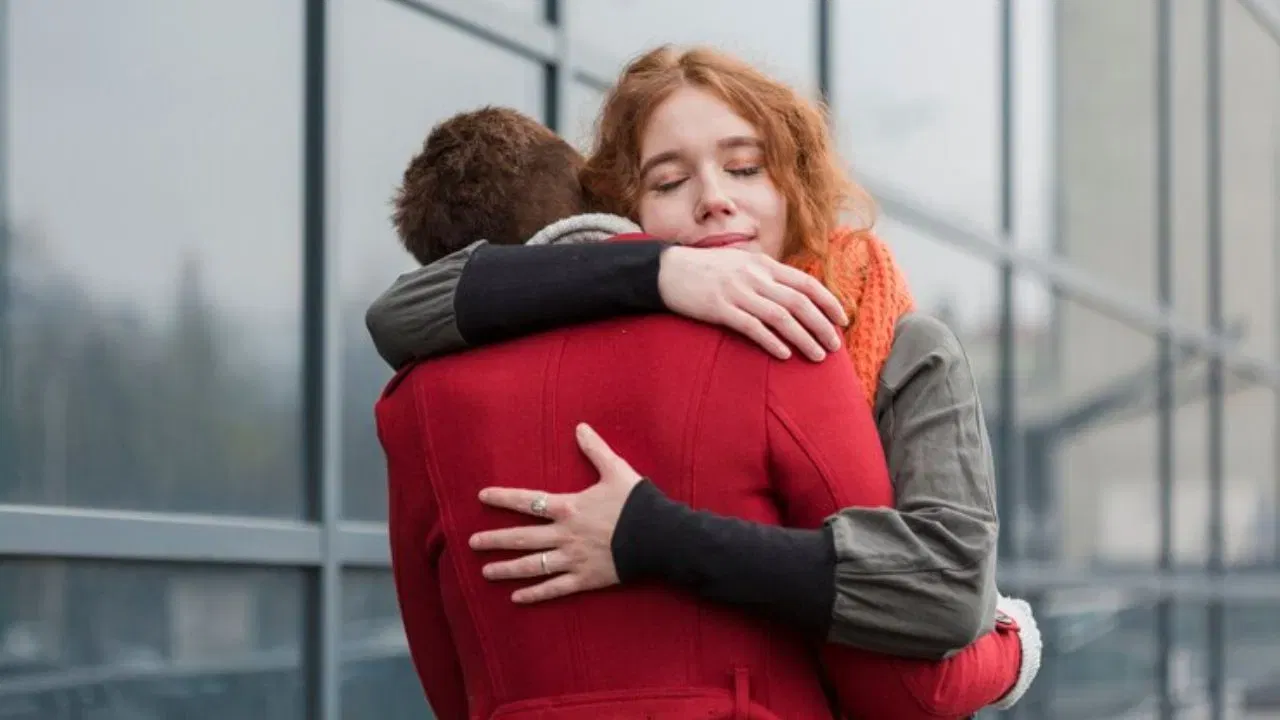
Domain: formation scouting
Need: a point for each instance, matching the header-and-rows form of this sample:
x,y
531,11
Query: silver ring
x,y
543,559
539,505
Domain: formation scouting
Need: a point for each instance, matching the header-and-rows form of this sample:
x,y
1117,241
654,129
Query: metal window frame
x,y
325,545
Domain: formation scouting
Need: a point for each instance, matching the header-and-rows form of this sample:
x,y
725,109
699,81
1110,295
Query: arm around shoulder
x,y
417,317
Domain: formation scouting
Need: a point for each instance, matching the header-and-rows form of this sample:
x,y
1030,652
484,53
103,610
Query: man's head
x,y
492,174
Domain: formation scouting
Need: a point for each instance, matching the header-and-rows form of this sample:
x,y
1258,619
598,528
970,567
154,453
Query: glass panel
x,y
155,286
378,679
387,95
1253,657
1251,523
1100,655
584,107
1087,423
778,37
1251,184
526,8
98,640
916,97
960,289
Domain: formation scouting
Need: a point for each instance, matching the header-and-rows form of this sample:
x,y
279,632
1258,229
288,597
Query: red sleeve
x,y
416,546
825,454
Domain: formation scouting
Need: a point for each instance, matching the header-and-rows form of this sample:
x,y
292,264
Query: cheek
x,y
772,216
664,217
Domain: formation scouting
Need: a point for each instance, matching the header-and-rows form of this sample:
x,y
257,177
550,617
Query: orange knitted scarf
x,y
861,271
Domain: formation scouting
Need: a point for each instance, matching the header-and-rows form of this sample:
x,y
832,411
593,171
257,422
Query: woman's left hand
x,y
575,547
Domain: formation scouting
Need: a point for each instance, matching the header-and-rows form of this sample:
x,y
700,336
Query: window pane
x,y
584,107
526,8
777,36
387,94
378,679
916,97
1253,656
1087,421
97,640
960,289
156,320
1100,654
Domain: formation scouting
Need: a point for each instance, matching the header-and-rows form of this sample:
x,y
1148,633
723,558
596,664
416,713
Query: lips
x,y
722,240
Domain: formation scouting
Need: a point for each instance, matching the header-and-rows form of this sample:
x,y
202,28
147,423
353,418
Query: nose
x,y
714,202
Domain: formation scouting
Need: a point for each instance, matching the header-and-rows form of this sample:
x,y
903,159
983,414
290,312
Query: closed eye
x,y
746,172
667,187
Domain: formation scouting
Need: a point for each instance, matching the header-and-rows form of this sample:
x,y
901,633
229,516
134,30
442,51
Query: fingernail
x,y
484,495
474,541
582,429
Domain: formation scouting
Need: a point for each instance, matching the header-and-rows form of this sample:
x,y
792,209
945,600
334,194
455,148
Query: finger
x,y
529,537
529,566
521,501
814,290
558,586
596,449
784,324
747,324
806,312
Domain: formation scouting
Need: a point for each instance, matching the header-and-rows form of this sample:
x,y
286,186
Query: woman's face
x,y
702,178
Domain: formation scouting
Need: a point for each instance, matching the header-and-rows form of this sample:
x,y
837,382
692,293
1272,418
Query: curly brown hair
x,y
491,174
800,154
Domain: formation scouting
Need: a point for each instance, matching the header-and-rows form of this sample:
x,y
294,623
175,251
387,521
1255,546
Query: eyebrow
x,y
729,143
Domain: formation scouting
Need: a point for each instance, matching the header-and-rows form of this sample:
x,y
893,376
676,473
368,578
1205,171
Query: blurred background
x,y
194,202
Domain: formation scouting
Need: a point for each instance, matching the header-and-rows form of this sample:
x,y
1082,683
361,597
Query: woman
x,y
707,152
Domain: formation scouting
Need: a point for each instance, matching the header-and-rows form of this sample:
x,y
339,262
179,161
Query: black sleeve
x,y
509,291
787,574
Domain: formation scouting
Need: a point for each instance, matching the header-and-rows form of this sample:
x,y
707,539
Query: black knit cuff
x,y
786,574
512,291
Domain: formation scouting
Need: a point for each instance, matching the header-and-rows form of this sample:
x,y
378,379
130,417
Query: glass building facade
x,y
194,213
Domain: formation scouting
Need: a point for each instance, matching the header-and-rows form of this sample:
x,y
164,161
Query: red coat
x,y
717,424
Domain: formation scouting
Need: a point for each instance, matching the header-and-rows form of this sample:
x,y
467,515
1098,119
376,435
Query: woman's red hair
x,y
799,152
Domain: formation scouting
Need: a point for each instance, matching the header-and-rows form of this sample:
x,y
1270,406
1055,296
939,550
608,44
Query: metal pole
x,y
319,383
1011,495
556,72
1216,379
1165,374
824,31
8,374
1275,353
1010,489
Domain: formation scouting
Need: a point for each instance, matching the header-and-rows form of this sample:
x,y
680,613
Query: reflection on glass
x,y
960,289
155,318
524,8
584,108
778,37
916,97
81,640
1253,657
388,93
1252,532
1087,423
1100,655
378,679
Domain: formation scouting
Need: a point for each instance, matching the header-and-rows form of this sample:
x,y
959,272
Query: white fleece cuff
x,y
585,228
1032,648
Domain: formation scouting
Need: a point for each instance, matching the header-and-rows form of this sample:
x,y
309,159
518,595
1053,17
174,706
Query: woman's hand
x,y
754,295
575,547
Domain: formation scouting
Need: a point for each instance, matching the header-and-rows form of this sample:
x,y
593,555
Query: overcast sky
x,y
146,131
